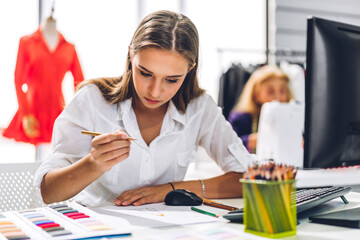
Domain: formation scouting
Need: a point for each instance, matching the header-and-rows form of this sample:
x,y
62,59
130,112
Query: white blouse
x,y
167,157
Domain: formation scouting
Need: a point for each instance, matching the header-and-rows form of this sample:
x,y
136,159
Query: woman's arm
x,y
106,151
223,186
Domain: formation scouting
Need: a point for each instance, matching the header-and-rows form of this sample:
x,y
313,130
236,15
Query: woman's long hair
x,y
164,30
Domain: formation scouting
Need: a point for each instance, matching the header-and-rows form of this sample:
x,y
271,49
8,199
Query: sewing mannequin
x,y
39,74
49,32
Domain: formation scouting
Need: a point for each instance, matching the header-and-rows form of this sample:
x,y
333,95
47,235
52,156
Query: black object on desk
x,y
235,216
346,218
182,197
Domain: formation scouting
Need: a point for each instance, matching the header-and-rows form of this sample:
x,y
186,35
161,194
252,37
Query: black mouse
x,y
182,197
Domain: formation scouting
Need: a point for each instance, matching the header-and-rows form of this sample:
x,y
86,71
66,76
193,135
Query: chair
x,y
231,85
16,186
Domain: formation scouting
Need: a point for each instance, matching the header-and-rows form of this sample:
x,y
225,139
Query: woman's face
x,y
158,75
272,89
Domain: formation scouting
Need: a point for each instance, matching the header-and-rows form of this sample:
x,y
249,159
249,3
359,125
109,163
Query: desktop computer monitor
x,y
332,95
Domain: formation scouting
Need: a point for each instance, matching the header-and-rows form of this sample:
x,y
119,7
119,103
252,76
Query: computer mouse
x,y
182,197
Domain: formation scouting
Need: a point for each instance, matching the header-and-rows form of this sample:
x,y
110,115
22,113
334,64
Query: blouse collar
x,y
124,109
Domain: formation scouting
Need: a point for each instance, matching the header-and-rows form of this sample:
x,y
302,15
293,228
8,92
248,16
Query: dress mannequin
x,y
44,57
51,37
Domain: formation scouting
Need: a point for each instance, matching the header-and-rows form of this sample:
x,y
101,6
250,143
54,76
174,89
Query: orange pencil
x,y
218,205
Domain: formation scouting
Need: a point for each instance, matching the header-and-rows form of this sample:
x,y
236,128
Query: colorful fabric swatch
x,y
85,220
52,228
10,231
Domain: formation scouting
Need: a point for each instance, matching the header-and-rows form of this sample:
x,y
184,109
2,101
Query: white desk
x,y
305,230
158,221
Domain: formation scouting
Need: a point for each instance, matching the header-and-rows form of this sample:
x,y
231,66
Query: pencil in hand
x,y
97,134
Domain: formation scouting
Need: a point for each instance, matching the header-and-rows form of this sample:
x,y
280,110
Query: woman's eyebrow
x,y
171,76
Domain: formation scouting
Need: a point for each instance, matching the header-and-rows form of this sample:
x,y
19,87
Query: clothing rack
x,y
276,56
292,56
221,53
277,52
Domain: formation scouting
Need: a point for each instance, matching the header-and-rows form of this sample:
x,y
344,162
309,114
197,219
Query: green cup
x,y
269,208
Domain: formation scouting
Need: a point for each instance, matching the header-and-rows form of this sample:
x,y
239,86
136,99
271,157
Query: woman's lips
x,y
152,101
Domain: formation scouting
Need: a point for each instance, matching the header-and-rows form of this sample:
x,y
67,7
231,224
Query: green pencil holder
x,y
269,208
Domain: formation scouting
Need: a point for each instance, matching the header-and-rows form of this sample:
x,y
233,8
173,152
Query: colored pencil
x,y
97,134
271,171
204,212
218,205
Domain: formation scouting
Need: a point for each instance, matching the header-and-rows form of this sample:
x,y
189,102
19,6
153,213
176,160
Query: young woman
x,y
266,84
158,102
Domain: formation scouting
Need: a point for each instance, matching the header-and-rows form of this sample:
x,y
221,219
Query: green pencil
x,y
204,212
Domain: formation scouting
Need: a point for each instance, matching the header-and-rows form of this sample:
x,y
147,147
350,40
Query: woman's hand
x,y
144,195
31,126
109,149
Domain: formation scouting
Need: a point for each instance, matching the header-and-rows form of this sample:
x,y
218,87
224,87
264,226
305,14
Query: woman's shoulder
x,y
90,94
202,105
204,98
89,91
202,102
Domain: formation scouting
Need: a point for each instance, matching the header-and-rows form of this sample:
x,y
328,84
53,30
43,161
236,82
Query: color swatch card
x,y
65,221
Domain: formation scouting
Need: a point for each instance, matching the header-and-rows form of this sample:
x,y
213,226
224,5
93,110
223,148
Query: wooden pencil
x,y
204,212
97,134
218,205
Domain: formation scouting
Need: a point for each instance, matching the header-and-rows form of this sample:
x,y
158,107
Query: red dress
x,y
43,71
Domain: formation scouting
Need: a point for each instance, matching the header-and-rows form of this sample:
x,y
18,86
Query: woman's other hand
x,y
109,149
144,195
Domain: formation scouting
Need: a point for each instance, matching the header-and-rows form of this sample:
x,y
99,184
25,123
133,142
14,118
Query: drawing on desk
x,y
159,212
150,209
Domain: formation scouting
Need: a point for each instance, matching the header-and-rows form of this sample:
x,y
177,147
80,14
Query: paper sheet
x,y
221,233
156,215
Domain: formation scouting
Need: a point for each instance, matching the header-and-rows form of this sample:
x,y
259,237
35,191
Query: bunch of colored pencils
x,y
269,204
271,171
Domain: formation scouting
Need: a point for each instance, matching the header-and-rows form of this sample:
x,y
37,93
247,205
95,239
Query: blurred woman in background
x,y
266,84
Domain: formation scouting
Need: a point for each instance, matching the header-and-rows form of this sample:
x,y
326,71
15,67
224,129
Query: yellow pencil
x,y
97,134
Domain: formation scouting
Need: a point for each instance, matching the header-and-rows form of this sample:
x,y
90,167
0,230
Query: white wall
x,y
227,24
290,18
15,21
